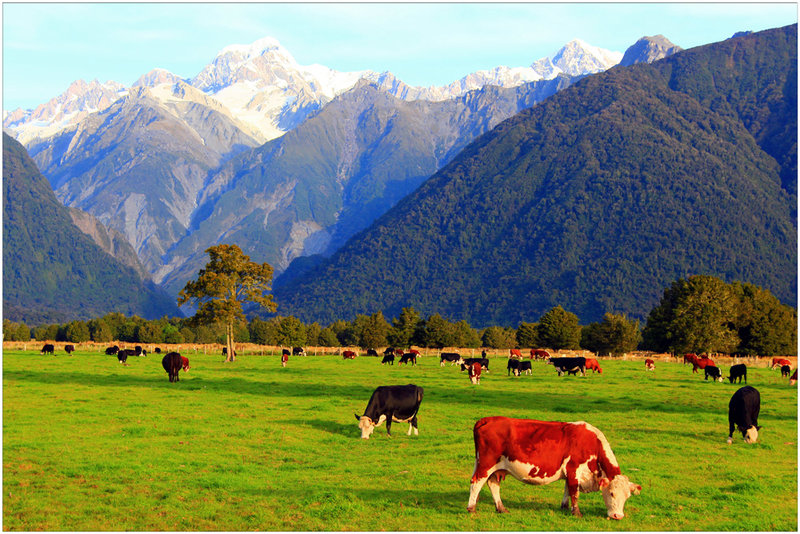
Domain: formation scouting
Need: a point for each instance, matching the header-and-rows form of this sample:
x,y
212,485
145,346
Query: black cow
x,y
158,350
372,352
298,351
518,366
139,351
569,365
112,350
122,355
172,363
785,371
743,413
738,371
714,372
48,349
388,358
452,357
69,349
408,357
391,403
225,352
466,362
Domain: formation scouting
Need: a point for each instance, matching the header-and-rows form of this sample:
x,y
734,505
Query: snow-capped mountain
x,y
262,86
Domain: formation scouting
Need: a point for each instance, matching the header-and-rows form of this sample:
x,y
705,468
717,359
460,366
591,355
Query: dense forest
x,y
593,200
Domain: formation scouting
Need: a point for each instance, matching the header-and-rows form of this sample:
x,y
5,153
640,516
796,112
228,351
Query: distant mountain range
x,y
596,199
164,161
54,271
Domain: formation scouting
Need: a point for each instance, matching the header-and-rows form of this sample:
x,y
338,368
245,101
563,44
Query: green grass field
x,y
89,444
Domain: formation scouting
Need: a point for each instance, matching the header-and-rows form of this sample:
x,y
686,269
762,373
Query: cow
x,y
569,365
785,370
391,403
372,352
122,355
649,365
284,357
349,355
399,353
515,353
738,371
69,349
158,350
298,351
48,349
474,373
185,364
702,363
537,354
714,372
139,351
466,362
743,411
225,352
793,380
406,357
112,350
689,358
594,365
172,363
452,357
518,366
388,358
779,362
541,452
415,352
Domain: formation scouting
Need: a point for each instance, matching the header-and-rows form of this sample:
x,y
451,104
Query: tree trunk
x,y
229,335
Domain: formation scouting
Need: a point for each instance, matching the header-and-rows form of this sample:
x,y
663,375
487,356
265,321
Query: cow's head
x,y
616,492
366,425
750,434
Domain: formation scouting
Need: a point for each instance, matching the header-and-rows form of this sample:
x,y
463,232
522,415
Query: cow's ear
x,y
758,427
603,482
357,417
635,488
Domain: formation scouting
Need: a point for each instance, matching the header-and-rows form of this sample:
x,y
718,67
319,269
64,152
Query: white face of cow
x,y
751,436
616,493
366,425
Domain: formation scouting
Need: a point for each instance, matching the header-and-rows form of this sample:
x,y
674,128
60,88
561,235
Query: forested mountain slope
x,y
596,199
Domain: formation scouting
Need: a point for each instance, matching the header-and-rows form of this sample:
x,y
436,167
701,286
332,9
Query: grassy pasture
x,y
89,444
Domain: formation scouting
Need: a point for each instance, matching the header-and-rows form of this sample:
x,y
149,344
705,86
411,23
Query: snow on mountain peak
x,y
253,49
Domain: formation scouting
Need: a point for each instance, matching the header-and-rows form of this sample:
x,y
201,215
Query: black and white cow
x,y
452,357
298,351
122,355
786,371
569,365
467,362
408,357
714,372
743,413
48,349
388,358
112,350
738,371
372,352
391,403
69,349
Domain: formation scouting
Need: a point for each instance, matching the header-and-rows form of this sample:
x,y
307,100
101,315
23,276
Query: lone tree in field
x,y
228,280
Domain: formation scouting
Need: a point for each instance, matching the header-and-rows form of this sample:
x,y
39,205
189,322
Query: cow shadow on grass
x,y
332,427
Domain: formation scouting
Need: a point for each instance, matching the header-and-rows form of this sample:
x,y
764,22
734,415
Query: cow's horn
x,y
357,417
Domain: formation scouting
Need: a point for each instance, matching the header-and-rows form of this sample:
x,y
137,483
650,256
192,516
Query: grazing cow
x,y
112,350
689,358
122,355
743,413
48,349
475,373
466,362
185,364
298,351
649,365
541,452
139,351
779,362
539,354
69,349
518,366
225,352
524,367
349,355
738,371
793,380
284,357
391,403
569,365
594,365
158,350
172,363
415,352
452,357
406,357
515,353
399,353
388,358
714,372
372,352
785,370
702,363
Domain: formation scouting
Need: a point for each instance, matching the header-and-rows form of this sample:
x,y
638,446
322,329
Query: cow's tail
x,y
420,391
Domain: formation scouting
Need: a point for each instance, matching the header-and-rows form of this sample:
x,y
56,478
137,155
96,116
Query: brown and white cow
x,y
701,363
689,358
475,373
779,362
515,353
594,365
349,355
185,364
537,354
649,365
541,452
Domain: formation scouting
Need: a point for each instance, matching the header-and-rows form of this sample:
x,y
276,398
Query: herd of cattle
x,y
576,452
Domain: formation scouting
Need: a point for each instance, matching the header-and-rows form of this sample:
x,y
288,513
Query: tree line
x,y
699,314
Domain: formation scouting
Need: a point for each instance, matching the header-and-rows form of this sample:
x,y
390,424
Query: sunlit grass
x,y
91,445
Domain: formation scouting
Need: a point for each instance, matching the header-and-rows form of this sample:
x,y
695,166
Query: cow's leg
x,y
389,426
494,486
413,424
573,486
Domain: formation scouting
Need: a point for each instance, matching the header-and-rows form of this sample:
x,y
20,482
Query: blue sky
x,y
47,46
